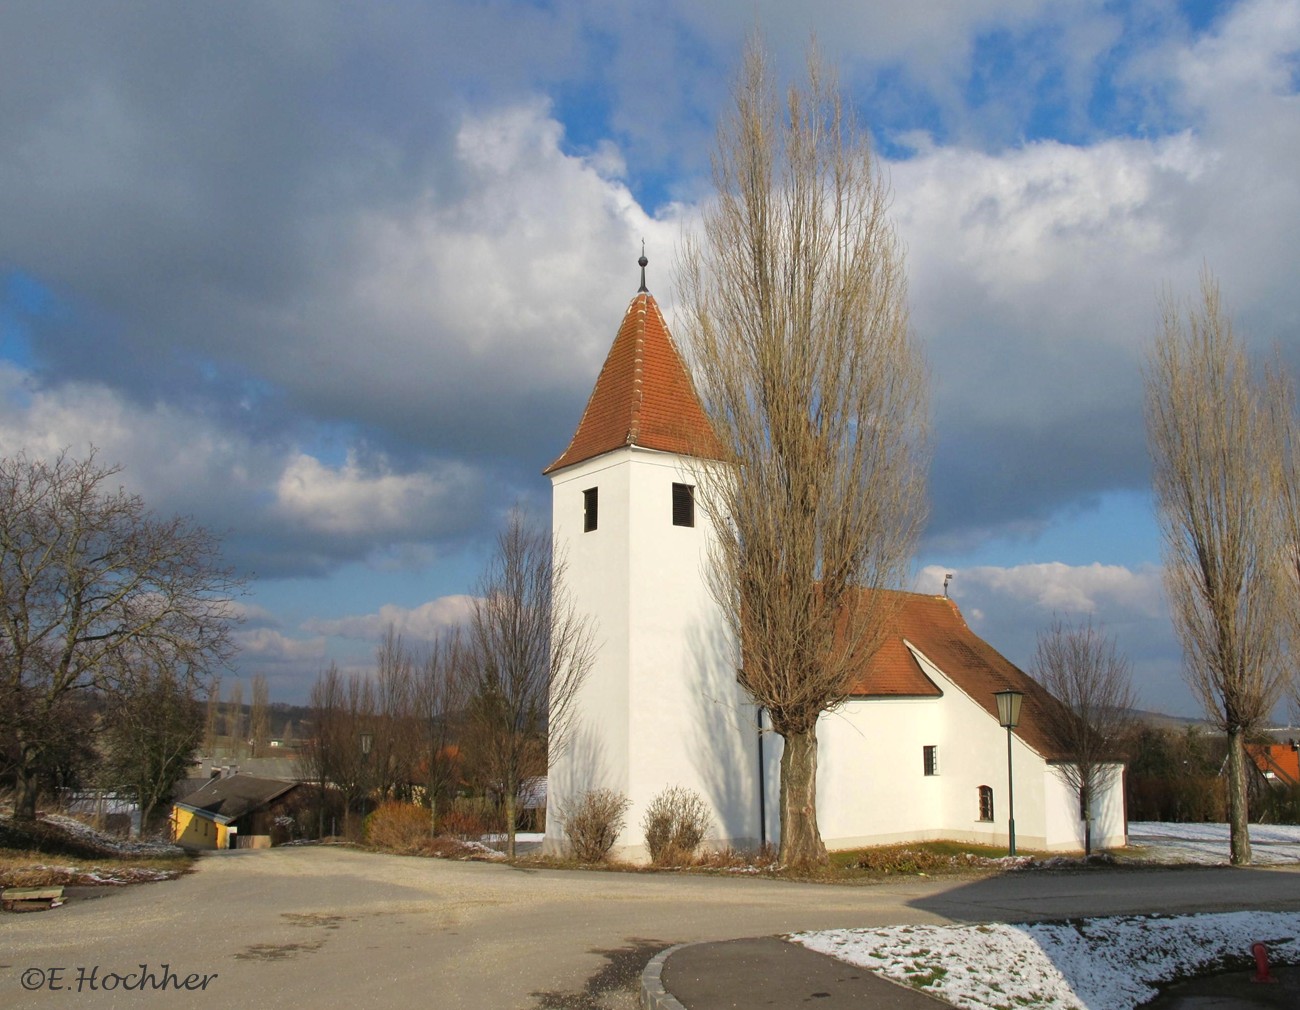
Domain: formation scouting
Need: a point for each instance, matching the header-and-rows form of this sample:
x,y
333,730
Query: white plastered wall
x,y
872,786
662,706
1109,823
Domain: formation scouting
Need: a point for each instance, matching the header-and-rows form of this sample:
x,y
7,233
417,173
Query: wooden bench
x,y
30,899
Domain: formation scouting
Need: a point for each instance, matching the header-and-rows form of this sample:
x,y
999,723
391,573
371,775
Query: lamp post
x,y
366,740
1009,716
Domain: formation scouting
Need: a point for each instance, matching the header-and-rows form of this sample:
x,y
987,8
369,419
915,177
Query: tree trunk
x,y
146,813
801,840
1238,805
510,821
25,800
1086,792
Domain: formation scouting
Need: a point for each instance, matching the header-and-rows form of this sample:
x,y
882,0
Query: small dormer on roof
x,y
644,396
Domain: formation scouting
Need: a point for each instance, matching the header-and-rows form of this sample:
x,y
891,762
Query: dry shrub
x,y
675,823
398,827
727,858
594,824
463,823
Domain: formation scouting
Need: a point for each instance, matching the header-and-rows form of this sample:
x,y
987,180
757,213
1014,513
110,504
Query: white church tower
x,y
661,706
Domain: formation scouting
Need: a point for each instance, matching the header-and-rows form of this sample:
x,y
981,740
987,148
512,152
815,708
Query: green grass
x,y
928,858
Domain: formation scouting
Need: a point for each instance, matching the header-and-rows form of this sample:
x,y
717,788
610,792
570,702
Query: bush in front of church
x,y
675,824
593,825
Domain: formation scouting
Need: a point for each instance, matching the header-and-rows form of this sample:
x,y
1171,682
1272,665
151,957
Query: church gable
x,y
933,628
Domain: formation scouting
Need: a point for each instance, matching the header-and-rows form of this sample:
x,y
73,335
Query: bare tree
x,y
1081,667
529,653
1215,466
315,759
154,725
259,716
400,733
340,754
212,718
234,719
796,315
91,581
440,701
1285,427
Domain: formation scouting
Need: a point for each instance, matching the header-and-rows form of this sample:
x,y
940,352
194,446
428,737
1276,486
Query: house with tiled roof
x,y
916,753
1279,763
230,811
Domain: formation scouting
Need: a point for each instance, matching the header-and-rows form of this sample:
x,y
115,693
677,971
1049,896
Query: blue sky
x,y
336,279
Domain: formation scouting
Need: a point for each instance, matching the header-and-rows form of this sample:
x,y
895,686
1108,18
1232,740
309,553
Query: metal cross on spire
x,y
643,261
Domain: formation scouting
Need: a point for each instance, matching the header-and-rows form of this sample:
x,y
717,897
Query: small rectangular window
x,y
986,803
931,758
683,505
590,500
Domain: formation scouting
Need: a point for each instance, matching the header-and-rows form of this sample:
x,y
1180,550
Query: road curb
x,y
653,994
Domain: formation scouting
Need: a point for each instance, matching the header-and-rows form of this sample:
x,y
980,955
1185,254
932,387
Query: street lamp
x,y
1009,716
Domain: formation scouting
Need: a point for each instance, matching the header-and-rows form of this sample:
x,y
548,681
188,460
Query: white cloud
x,y
349,500
1009,607
190,463
1250,55
263,647
421,623
1069,591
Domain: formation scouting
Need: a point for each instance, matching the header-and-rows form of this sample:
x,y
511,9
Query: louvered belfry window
x,y
590,502
683,505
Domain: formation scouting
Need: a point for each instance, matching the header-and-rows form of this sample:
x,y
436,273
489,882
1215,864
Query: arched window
x,y
986,803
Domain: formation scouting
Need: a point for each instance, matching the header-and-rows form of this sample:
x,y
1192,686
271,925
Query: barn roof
x,y
228,799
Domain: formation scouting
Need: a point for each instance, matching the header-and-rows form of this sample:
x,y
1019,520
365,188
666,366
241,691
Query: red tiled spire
x,y
643,396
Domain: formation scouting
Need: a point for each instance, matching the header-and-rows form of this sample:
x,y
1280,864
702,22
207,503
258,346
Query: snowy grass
x,y
1207,844
1099,964
127,847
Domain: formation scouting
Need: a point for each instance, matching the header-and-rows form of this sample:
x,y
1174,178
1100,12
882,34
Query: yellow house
x,y
223,809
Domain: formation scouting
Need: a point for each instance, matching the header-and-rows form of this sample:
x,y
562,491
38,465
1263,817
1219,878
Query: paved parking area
x,y
349,929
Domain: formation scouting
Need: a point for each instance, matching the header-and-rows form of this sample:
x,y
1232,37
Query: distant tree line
x,y
463,725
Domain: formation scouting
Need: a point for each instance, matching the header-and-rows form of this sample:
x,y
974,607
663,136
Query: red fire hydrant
x,y
1261,963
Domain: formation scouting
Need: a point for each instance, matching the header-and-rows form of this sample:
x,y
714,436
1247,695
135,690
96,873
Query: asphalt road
x,y
326,927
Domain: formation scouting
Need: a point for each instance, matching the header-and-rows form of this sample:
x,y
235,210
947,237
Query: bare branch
x,y
796,316
530,651
1216,465
1081,668
92,586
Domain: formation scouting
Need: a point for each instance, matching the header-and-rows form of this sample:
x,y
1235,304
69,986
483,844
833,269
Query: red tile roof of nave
x,y
935,627
643,396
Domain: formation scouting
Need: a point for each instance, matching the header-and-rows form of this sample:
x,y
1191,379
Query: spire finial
x,y
643,261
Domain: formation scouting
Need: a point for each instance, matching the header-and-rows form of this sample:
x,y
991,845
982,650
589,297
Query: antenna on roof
x,y
643,261
946,579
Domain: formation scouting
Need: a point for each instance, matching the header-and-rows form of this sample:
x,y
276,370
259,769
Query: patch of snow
x,y
1207,844
1109,963
121,846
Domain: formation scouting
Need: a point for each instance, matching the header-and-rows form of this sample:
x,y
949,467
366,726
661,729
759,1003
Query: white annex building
x,y
917,752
